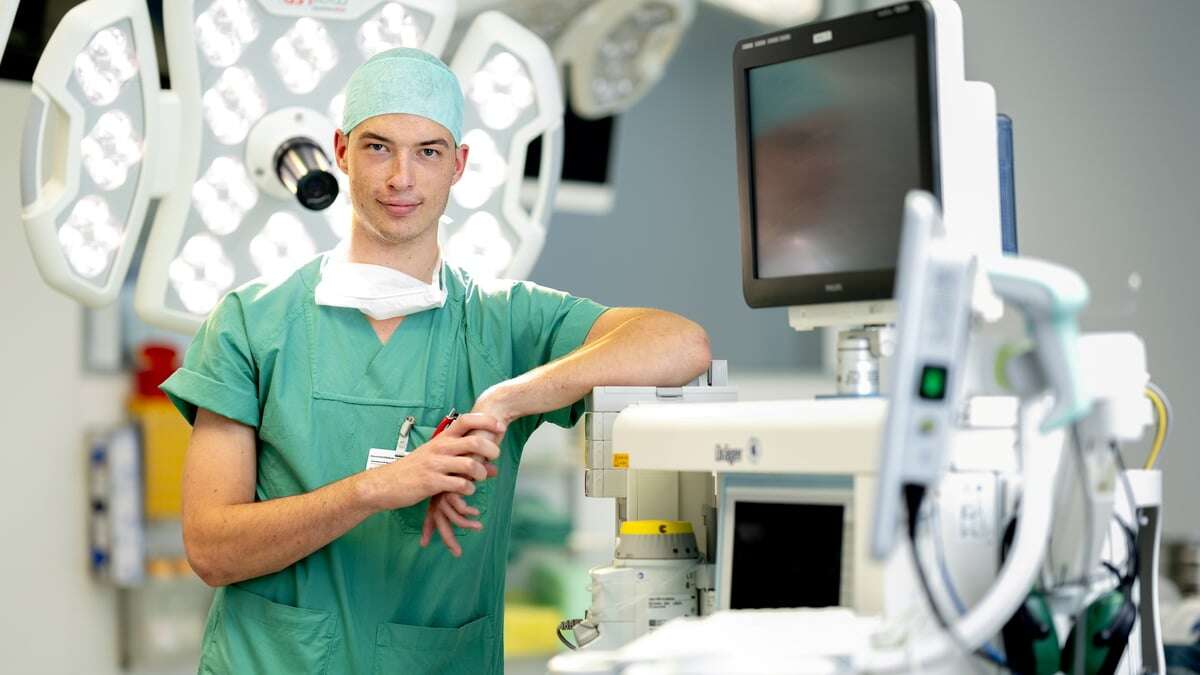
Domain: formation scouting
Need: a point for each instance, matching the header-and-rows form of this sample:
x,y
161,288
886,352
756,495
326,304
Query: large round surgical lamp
x,y
616,50
613,51
239,152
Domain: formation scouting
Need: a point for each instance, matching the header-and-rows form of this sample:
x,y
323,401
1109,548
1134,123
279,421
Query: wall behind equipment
x,y
1103,98
672,239
46,408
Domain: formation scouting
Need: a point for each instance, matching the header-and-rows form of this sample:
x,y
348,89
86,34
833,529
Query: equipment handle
x,y
1050,297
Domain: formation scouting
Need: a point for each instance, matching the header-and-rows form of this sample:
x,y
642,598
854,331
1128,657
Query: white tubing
x,y
1040,459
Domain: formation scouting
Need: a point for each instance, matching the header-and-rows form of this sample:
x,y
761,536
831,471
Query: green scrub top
x,y
322,391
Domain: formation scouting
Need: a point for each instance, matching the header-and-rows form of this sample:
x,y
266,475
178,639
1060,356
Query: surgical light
x,y
85,178
393,26
90,236
620,64
281,246
239,153
106,64
233,104
480,246
501,90
272,110
304,55
224,195
110,150
202,273
224,29
616,50
513,97
486,171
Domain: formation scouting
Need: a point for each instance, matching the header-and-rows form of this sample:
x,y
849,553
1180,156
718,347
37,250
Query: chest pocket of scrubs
x,y
413,517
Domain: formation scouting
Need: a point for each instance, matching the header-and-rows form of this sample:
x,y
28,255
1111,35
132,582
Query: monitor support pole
x,y
858,353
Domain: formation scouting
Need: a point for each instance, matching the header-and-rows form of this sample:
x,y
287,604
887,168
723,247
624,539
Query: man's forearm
x,y
624,347
233,543
650,348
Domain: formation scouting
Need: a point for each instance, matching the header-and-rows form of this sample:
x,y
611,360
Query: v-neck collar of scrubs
x,y
373,367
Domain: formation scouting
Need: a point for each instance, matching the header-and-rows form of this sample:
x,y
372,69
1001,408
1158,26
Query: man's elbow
x,y
696,348
208,573
210,579
203,561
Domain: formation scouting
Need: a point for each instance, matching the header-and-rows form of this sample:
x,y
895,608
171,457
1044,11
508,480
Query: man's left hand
x,y
447,510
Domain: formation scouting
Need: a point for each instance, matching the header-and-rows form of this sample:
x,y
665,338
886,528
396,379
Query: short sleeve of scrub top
x,y
218,371
545,325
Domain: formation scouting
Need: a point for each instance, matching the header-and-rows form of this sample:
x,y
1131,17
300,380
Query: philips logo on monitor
x,y
833,288
822,37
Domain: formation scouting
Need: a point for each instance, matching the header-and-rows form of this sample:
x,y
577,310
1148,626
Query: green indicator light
x,y
933,383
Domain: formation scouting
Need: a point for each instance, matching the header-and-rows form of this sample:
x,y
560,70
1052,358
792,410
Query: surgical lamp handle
x,y
1050,297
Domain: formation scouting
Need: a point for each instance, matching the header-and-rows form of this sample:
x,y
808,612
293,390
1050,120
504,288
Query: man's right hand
x,y
451,462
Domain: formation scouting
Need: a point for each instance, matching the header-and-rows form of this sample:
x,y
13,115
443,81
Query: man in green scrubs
x,y
323,564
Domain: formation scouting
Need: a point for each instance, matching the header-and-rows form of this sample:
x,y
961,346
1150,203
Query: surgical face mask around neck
x,y
377,291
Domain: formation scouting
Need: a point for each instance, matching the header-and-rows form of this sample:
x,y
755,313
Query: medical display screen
x,y
786,555
835,144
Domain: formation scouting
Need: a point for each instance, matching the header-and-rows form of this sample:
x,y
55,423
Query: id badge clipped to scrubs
x,y
377,457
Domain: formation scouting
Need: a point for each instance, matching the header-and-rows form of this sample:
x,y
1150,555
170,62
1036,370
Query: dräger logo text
x,y
728,454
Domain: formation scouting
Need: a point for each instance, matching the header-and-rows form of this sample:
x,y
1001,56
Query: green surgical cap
x,y
404,80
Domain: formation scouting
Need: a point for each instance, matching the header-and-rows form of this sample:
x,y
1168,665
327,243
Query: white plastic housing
x,y
1114,374
753,436
52,166
933,292
490,34
633,597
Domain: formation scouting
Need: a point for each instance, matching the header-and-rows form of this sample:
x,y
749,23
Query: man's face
x,y
401,168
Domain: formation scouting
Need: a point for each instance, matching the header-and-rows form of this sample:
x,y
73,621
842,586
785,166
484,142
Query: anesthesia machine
x,y
966,512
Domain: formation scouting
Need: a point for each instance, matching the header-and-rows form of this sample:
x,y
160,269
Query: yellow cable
x,y
1160,434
